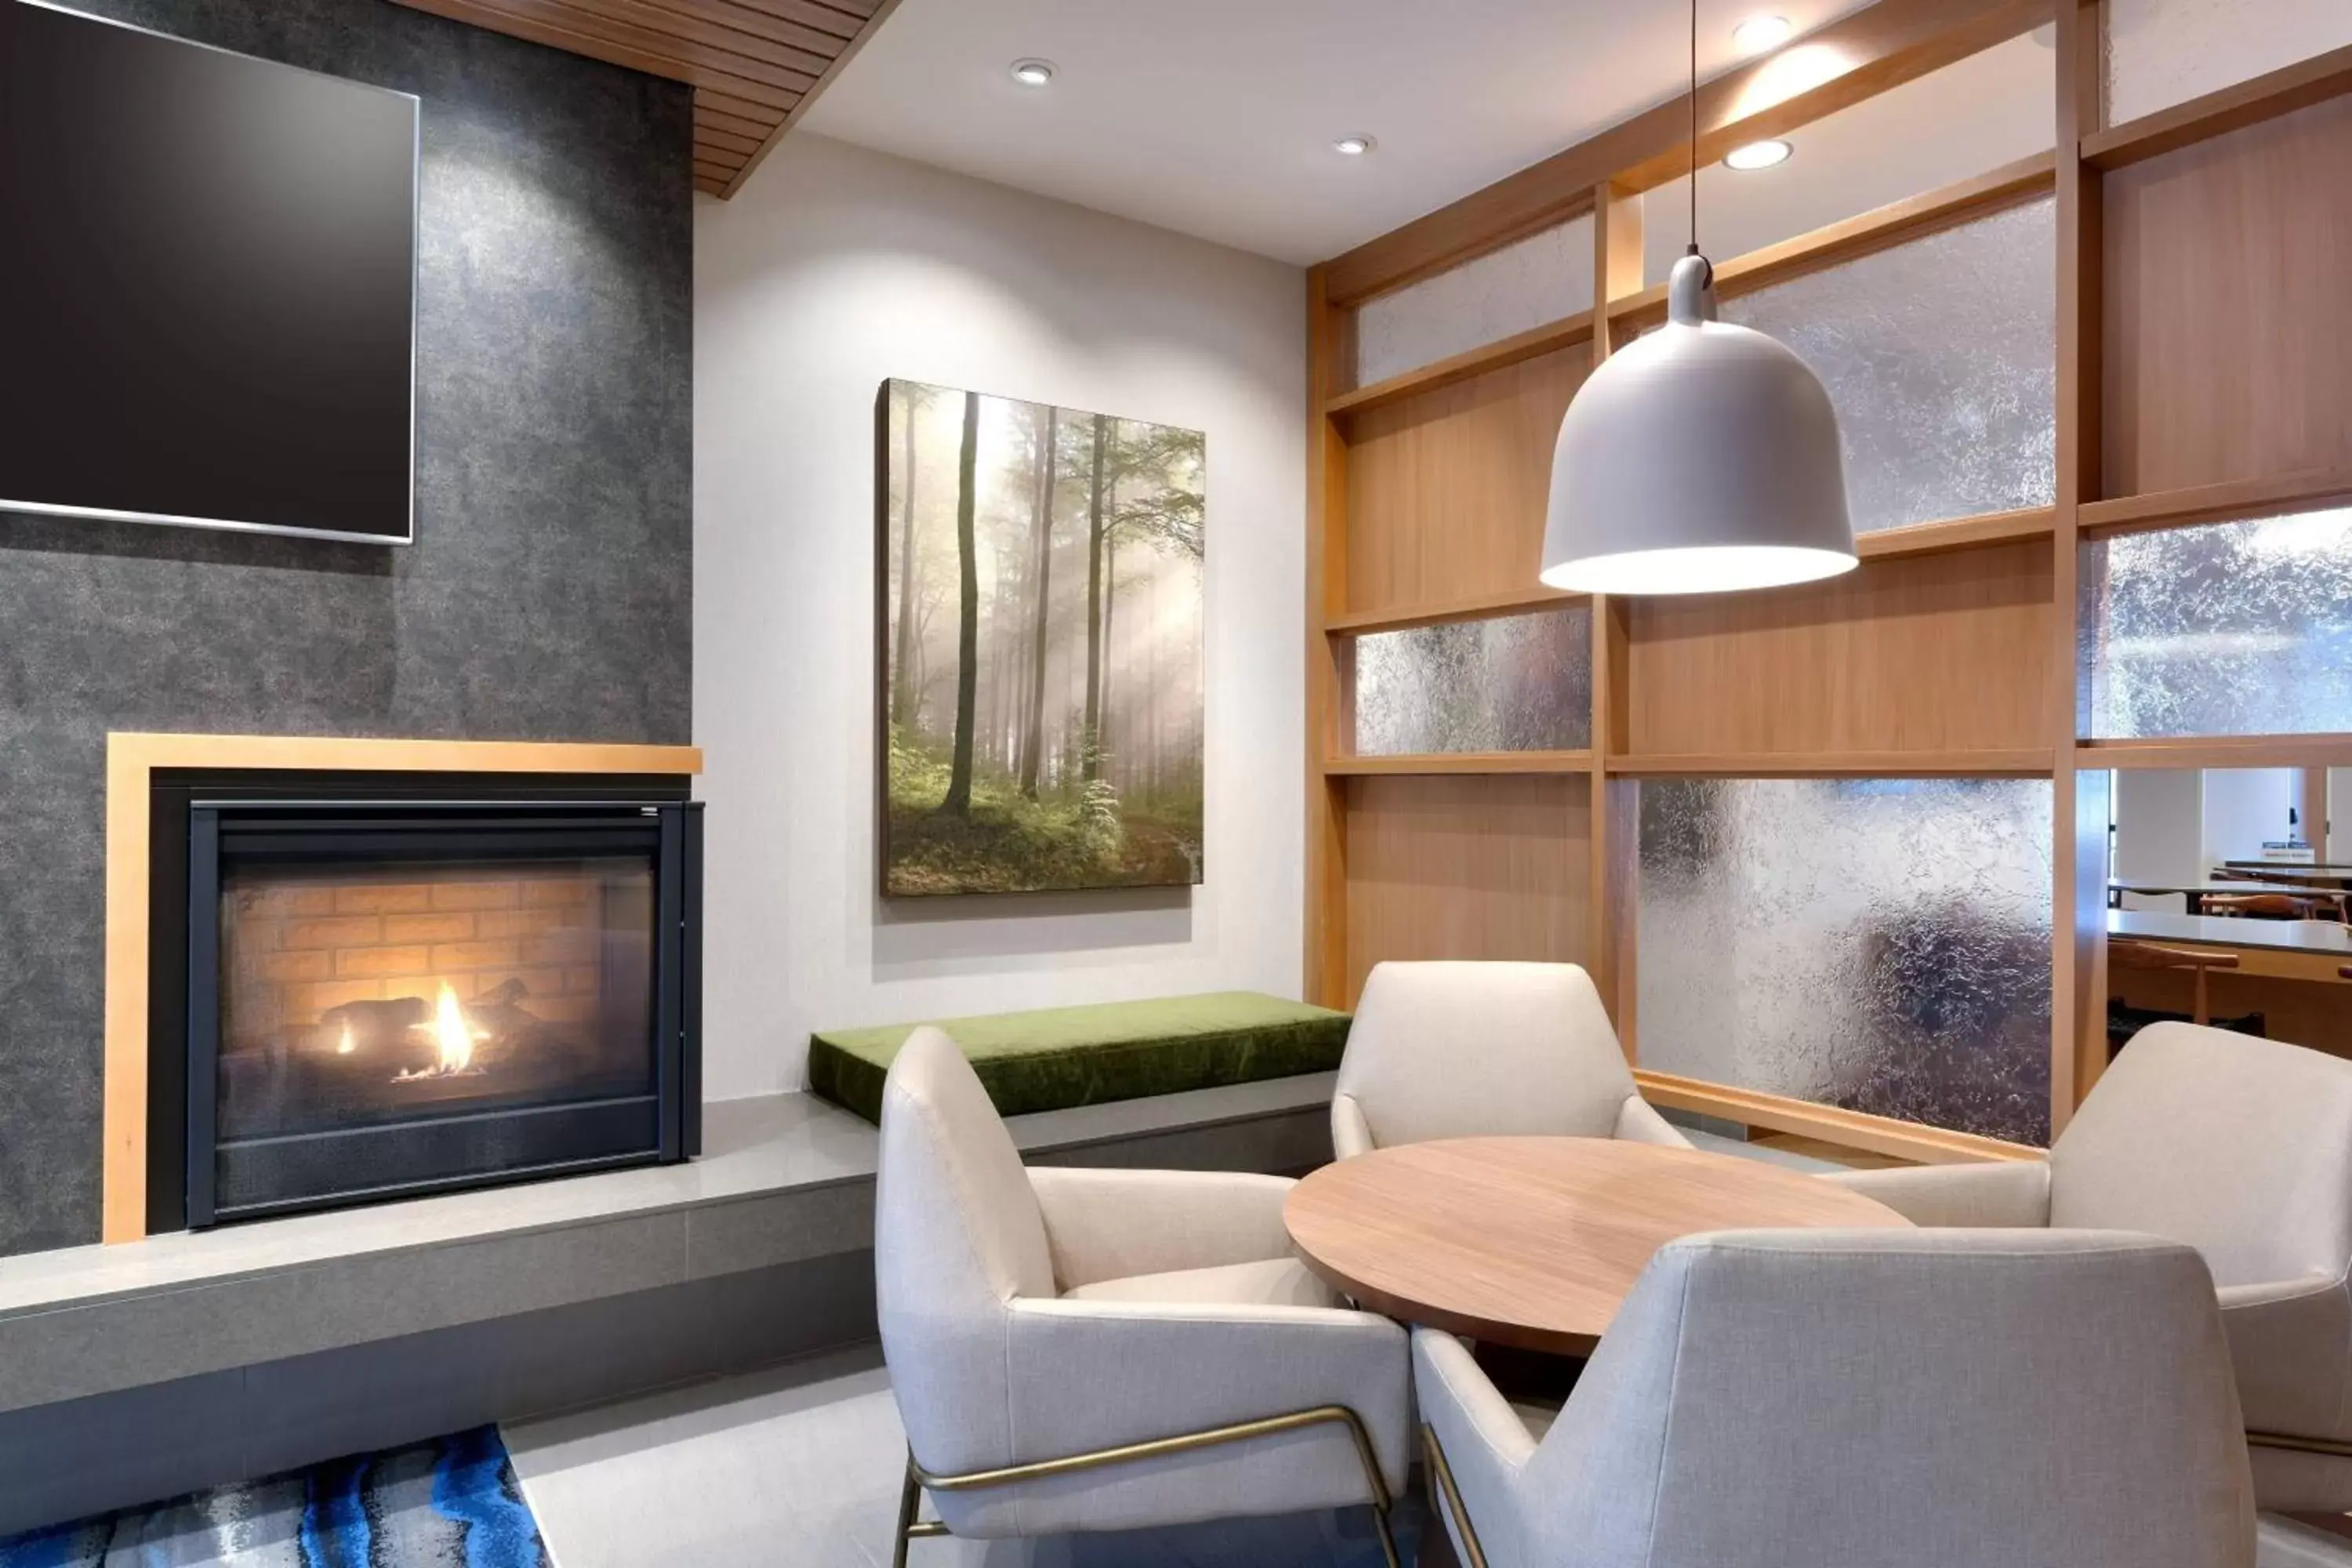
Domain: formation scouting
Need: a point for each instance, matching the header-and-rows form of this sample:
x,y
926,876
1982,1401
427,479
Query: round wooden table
x,y
1534,1242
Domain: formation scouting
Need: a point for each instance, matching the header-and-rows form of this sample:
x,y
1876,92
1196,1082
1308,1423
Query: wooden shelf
x,y
1533,343
1880,229
2219,752
1848,1128
2028,762
2281,92
1957,533
1917,538
1481,607
1463,763
2312,490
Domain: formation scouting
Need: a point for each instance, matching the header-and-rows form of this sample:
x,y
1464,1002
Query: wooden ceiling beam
x,y
755,64
1834,67
641,20
726,16
880,13
705,118
834,18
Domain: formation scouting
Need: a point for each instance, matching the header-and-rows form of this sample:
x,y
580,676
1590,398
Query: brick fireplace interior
x,y
373,966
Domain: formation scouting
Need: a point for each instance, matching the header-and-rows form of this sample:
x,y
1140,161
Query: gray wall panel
x,y
550,592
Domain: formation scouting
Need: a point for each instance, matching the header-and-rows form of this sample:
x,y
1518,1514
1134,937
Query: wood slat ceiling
x,y
755,64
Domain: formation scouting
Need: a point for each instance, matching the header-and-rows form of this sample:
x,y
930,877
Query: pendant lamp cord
x,y
1694,130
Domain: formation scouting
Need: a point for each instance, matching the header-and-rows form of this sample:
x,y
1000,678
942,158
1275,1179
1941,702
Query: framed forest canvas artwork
x,y
1039,621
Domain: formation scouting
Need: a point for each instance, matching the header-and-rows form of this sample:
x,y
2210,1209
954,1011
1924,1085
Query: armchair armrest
x,y
1485,1445
1087,1375
1638,1121
1111,1224
2287,1342
1997,1194
1350,1134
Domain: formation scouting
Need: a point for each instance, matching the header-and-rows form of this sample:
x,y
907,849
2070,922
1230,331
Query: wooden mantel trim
x,y
130,760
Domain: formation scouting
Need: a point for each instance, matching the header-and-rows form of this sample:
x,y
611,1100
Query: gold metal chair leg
x,y
910,1504
910,1496
1441,1478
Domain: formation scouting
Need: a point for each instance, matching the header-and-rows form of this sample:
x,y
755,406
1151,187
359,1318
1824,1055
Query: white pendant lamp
x,y
1699,458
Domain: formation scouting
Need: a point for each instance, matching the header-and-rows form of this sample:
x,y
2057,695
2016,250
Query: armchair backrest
x,y
958,1236
1463,1050
2239,1146
1936,1399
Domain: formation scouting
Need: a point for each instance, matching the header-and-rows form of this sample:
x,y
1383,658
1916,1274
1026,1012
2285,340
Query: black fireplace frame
x,y
377,814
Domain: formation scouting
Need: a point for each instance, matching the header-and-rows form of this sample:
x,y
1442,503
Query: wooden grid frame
x,y
1973,620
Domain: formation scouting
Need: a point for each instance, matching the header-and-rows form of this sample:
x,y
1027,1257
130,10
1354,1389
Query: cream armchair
x,y
1868,1399
1077,1350
2242,1148
1465,1050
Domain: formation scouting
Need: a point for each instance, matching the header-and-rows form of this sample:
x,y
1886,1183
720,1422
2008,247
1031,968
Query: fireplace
x,y
399,985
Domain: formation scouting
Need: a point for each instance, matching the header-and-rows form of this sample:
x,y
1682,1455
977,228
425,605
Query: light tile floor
x,y
801,1464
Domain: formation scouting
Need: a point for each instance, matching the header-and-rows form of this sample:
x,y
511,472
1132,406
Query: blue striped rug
x,y
453,1503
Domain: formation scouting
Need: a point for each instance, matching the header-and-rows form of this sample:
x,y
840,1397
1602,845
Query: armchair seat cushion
x,y
1052,1059
1276,1282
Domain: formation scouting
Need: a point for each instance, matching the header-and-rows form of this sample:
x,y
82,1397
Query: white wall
x,y
2245,808
2159,816
836,268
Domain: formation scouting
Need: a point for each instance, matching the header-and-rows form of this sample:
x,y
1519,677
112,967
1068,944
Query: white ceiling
x,y
1216,117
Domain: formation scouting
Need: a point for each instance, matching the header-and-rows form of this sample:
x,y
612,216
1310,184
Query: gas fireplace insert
x,y
392,985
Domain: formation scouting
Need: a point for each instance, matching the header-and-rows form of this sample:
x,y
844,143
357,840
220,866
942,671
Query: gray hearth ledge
x,y
785,1179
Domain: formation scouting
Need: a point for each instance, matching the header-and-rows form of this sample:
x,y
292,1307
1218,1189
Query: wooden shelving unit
x,y
1477,607
2202,322
1432,763
2027,763
1534,343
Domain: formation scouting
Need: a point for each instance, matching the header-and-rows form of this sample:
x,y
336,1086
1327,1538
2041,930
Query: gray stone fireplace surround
x,y
548,596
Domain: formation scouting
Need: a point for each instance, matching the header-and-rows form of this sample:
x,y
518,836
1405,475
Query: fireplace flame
x,y
453,1039
452,1036
347,1044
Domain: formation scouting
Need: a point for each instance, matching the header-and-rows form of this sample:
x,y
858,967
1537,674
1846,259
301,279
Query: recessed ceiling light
x,y
1032,72
1758,156
1759,33
1354,146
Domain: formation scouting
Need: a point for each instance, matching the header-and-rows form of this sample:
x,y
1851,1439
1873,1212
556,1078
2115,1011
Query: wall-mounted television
x,y
207,285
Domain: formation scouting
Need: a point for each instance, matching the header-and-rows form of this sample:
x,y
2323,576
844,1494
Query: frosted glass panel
x,y
1880,945
2233,628
2163,52
1540,278
1518,683
1940,356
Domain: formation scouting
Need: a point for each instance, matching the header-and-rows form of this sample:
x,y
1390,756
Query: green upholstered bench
x,y
1055,1058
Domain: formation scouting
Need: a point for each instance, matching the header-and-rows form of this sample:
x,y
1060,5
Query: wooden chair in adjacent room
x,y
2150,955
2275,906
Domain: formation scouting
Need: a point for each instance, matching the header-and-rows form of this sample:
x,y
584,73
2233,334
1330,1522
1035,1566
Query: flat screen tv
x,y
207,285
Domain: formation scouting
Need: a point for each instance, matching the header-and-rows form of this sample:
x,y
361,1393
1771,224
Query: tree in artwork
x,y
1040,644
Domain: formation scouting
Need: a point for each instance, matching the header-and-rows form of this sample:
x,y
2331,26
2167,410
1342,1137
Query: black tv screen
x,y
207,285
